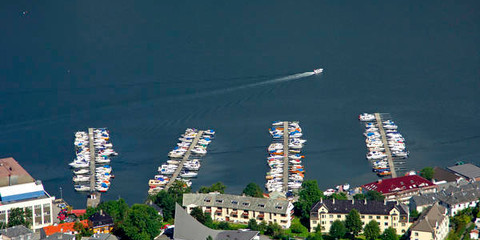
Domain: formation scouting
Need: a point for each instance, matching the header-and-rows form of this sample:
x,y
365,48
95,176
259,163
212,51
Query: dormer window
x,y
206,200
279,207
246,204
219,201
235,202
261,205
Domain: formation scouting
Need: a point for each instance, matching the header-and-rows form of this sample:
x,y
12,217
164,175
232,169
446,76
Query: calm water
x,y
148,70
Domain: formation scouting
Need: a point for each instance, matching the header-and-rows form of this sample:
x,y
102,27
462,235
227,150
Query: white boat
x,y
200,151
176,154
318,70
188,174
81,171
366,117
295,146
79,164
81,178
329,192
296,156
82,188
277,123
209,132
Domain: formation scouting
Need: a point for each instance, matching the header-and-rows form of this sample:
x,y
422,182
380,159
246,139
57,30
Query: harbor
x,y
286,170
91,168
386,146
179,166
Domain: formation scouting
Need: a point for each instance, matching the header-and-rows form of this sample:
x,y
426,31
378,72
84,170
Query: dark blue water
x,y
148,70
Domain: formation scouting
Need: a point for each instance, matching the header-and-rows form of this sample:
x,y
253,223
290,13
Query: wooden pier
x,y
385,145
92,159
185,158
286,138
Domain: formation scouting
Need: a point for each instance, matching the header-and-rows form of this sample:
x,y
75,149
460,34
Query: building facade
x,y
401,189
386,214
32,198
240,209
100,222
431,225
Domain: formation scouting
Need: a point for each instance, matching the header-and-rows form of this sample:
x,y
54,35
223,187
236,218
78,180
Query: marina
x,y
179,166
286,170
93,152
385,144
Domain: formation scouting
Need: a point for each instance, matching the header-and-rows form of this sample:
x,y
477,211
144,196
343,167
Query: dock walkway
x,y
285,155
92,159
385,144
185,158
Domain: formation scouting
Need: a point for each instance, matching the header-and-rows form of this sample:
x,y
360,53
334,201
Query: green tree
x,y
273,229
209,238
414,214
338,196
353,223
359,196
337,230
118,210
372,230
307,197
18,217
197,213
224,226
166,202
253,190
252,225
315,236
216,187
389,234
427,173
297,227
262,227
177,190
374,195
142,223
209,220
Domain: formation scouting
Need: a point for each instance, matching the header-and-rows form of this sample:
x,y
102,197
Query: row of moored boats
x,y
190,166
376,148
100,156
277,153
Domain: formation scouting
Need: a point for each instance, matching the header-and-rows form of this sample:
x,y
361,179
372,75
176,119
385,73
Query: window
x,y
331,222
331,216
416,234
235,202
403,224
339,216
279,207
219,200
378,217
386,223
370,217
363,217
206,200
386,217
246,204
261,205
314,222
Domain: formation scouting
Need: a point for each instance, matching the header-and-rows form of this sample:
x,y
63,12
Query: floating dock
x,y
92,159
185,158
378,118
286,138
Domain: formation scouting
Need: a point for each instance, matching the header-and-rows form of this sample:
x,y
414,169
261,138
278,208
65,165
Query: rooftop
x,y
22,192
63,227
441,174
100,219
60,236
399,184
237,202
467,170
451,195
12,173
362,206
15,231
430,219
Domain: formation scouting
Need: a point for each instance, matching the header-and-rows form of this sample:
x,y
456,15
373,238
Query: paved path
x,y
385,145
285,156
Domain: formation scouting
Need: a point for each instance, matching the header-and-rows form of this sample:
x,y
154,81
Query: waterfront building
x,y
431,225
386,214
60,236
442,176
401,188
100,222
61,228
188,228
240,209
19,190
469,171
453,198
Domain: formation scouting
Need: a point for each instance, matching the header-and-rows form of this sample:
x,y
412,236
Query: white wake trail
x,y
251,85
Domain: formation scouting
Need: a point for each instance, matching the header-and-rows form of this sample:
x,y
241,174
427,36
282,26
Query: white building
x,y
432,225
19,190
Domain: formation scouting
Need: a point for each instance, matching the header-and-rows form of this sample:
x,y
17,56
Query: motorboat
x,y
81,171
277,123
188,174
81,178
275,146
81,188
318,70
79,164
209,132
296,156
329,192
366,117
200,151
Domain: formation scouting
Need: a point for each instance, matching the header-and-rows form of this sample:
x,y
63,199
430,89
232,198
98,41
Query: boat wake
x,y
252,85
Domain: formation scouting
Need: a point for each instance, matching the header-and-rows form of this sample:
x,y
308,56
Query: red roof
x,y
78,212
63,227
399,184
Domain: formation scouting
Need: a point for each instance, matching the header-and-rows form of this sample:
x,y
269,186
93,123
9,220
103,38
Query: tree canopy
x,y
308,196
337,230
216,187
19,217
374,195
166,202
253,190
427,173
372,230
252,225
142,223
389,234
353,223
